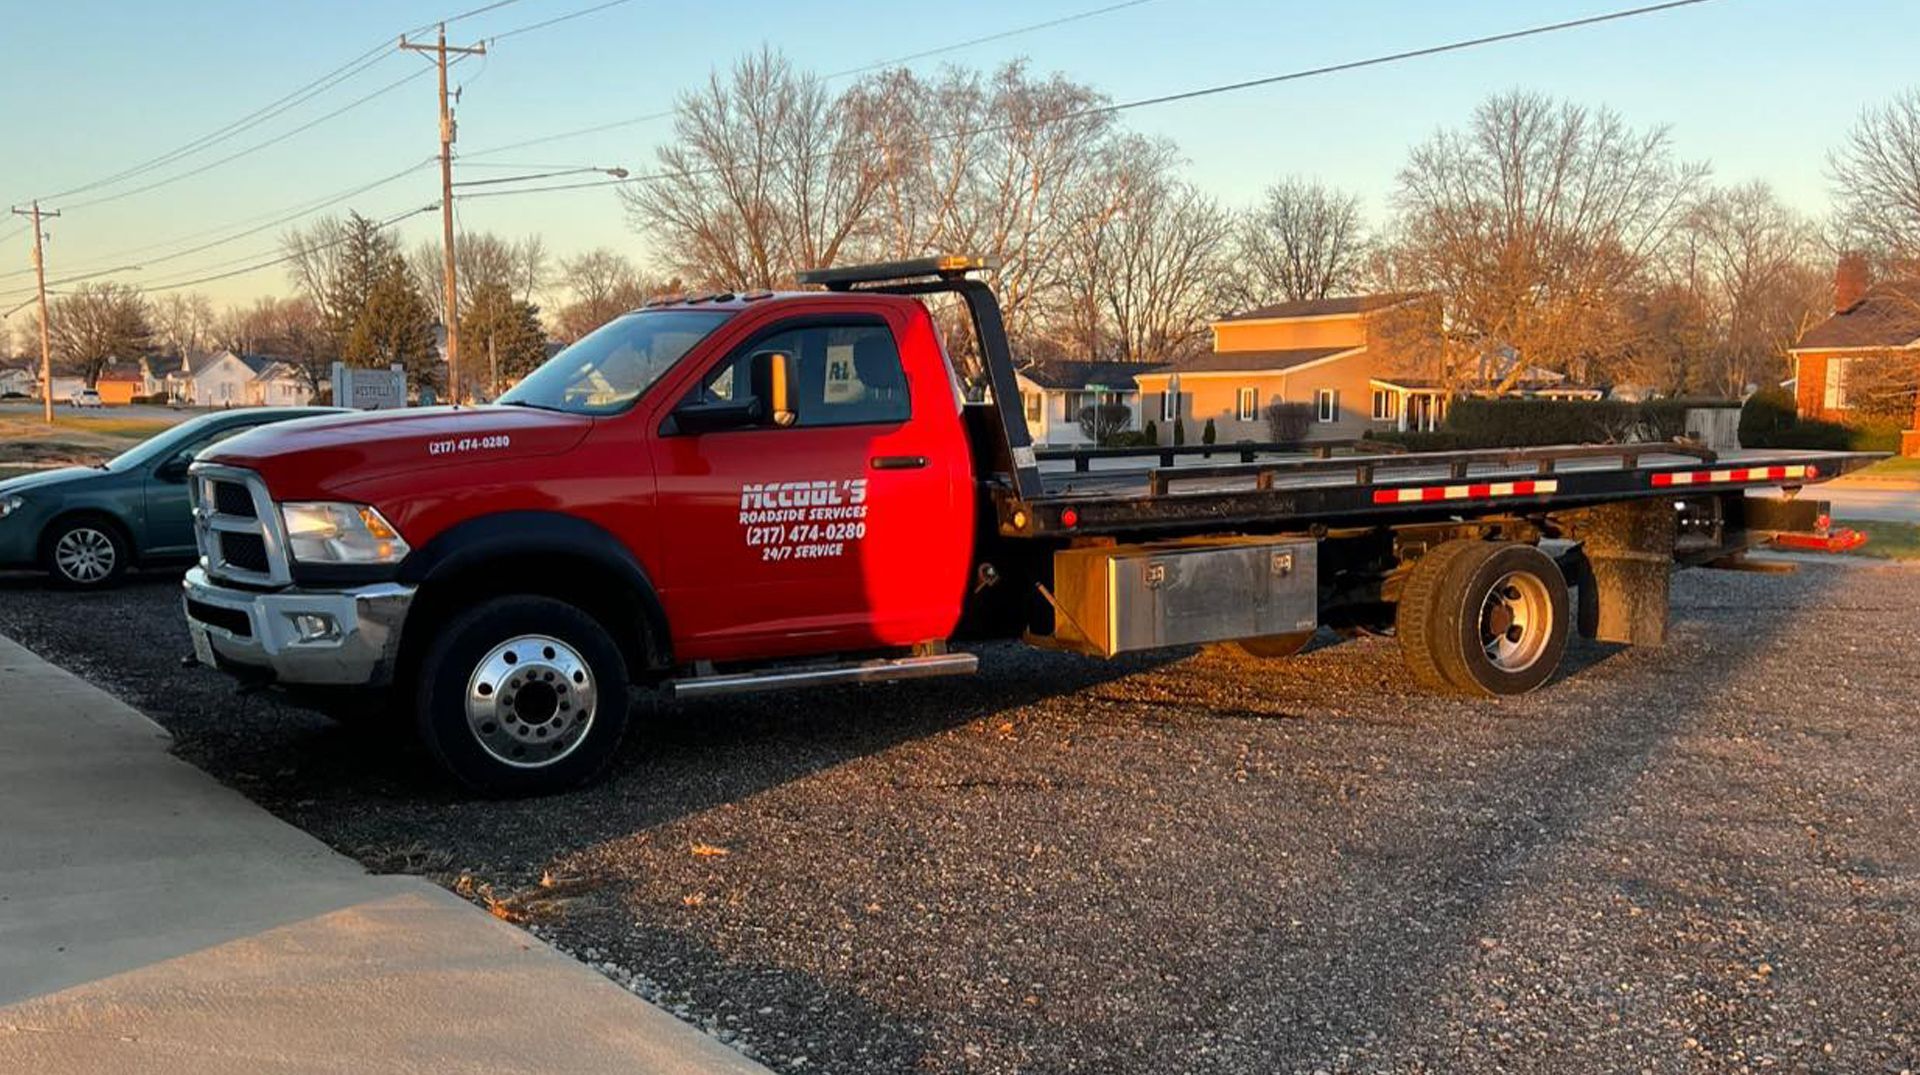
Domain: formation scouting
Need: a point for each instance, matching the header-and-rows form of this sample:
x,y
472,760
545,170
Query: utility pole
x,y
493,370
451,318
40,281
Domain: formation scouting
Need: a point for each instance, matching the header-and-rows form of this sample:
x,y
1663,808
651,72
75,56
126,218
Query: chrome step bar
x,y
773,679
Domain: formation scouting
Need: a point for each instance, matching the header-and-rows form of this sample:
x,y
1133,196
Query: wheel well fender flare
x,y
571,551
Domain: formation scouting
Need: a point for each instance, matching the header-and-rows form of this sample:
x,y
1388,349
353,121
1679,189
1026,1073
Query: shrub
x,y
1130,438
1766,413
1209,434
1517,423
1288,422
1179,432
1153,432
1103,420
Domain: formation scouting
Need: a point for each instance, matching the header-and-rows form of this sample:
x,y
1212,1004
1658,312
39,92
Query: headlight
x,y
10,504
327,533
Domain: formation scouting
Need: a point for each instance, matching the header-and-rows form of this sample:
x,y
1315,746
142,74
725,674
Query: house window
x,y
1326,404
1248,403
1036,406
1386,405
1169,406
1835,396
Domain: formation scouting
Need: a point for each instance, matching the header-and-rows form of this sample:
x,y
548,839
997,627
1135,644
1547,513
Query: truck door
x,y
815,536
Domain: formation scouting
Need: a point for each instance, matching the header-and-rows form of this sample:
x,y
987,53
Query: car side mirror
x,y
772,375
173,470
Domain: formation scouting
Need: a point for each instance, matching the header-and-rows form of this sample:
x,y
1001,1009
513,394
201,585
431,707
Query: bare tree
x,y
1304,241
1876,179
482,261
96,323
764,176
1533,226
1754,265
600,285
291,329
183,322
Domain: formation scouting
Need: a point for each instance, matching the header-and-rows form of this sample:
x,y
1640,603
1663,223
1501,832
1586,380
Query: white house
x,y
19,381
1053,394
227,379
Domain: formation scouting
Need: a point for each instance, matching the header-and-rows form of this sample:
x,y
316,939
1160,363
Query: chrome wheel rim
x,y
1516,619
531,701
84,554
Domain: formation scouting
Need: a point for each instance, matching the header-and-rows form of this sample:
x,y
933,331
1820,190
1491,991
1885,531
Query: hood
x,y
26,483
315,457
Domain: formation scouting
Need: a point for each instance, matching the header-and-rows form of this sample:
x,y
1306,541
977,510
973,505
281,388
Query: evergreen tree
x,y
500,335
396,326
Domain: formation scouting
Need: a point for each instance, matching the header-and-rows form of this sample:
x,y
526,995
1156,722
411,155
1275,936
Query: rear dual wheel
x,y
1484,618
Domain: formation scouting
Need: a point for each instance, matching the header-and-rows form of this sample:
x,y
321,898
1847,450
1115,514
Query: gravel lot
x,y
1705,857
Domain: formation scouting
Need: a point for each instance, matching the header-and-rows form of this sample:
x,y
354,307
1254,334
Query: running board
x,y
939,664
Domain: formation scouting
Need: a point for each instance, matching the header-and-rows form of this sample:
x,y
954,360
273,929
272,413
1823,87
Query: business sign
x,y
369,389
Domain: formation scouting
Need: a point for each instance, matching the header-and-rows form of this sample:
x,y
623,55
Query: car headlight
x,y
320,532
10,504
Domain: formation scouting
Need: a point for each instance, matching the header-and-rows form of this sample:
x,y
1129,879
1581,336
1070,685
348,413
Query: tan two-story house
x,y
1318,352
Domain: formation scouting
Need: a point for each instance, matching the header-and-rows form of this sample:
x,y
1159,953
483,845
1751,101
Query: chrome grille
x,y
236,527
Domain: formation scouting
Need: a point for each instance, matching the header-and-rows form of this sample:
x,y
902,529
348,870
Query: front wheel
x,y
523,696
85,553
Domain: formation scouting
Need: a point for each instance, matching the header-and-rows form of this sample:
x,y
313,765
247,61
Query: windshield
x,y
608,368
165,444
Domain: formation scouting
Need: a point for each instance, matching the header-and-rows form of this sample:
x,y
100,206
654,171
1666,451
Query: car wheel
x,y
523,696
85,553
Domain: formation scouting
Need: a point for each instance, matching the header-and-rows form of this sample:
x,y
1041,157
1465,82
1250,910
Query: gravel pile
x,y
1705,857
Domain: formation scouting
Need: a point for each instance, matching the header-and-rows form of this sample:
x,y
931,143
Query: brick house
x,y
1871,324
1318,352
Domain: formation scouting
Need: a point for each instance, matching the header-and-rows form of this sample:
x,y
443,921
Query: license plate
x,y
202,646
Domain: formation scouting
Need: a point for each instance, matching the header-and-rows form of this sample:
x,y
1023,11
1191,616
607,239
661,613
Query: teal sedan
x,y
86,526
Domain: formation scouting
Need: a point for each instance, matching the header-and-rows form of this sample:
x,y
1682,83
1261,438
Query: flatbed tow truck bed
x,y
1374,488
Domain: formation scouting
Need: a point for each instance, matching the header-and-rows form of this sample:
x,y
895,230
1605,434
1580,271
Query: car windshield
x,y
164,444
610,367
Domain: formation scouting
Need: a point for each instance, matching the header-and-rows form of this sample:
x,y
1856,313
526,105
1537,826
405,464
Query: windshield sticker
x,y
803,520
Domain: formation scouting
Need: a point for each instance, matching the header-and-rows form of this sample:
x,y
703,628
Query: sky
x,y
1760,89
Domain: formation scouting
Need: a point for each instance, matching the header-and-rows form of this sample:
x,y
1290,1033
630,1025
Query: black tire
x,y
85,552
527,661
1498,619
1273,647
1415,620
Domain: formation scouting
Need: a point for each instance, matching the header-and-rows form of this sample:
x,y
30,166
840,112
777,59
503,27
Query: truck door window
x,y
848,375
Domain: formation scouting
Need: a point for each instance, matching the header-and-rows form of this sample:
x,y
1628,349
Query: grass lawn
x,y
25,438
1888,541
1900,468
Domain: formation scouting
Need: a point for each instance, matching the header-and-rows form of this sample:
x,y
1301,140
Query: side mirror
x,y
173,470
773,375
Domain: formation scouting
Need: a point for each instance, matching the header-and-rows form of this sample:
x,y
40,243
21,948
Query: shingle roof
x,y
1254,361
121,373
1344,304
1075,376
1888,316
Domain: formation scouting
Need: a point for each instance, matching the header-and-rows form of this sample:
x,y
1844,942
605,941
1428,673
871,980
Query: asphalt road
x,y
1704,857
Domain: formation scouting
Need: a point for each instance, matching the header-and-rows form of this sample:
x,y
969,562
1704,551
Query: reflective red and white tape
x,y
1734,474
1472,491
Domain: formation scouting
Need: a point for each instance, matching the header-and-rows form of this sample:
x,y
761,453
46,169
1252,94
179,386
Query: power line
x,y
969,43
544,23
1147,102
284,258
256,147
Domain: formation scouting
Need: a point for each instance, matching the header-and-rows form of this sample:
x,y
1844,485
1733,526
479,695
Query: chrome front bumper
x,y
239,630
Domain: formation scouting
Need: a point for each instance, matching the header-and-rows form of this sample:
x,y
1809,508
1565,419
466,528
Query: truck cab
x,y
706,482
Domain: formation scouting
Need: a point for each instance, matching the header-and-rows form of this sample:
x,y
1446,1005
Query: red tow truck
x,y
755,491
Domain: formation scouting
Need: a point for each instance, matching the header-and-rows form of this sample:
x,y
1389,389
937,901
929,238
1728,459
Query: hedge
x,y
1519,423
1770,419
